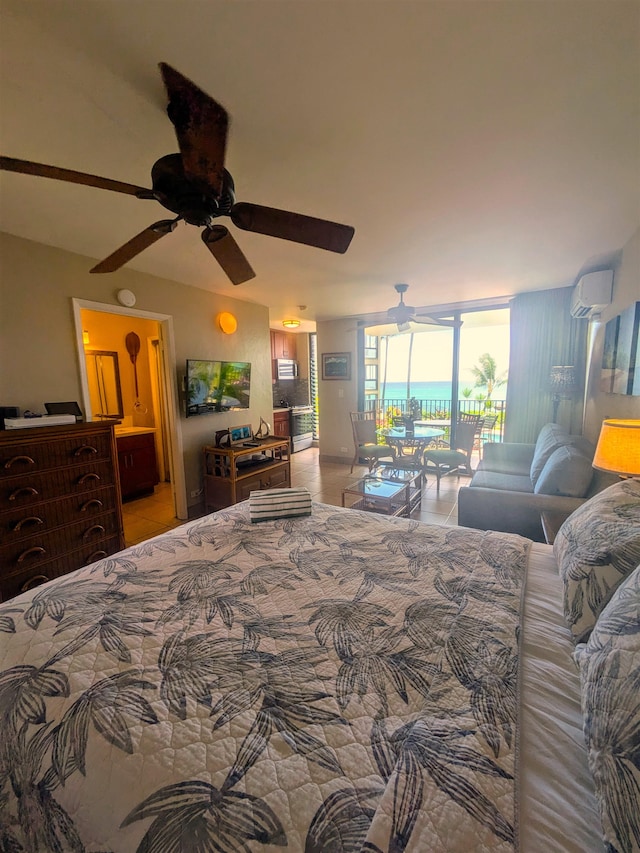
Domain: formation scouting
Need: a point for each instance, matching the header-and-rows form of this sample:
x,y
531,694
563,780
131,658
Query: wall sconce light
x,y
85,337
618,449
291,324
227,322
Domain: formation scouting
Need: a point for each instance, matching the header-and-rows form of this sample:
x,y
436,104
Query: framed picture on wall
x,y
336,365
609,355
626,361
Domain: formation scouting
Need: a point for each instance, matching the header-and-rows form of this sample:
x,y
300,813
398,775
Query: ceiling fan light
x,y
291,324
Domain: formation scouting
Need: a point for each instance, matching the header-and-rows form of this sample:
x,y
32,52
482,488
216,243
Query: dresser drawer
x,y
44,455
26,521
27,578
38,487
49,545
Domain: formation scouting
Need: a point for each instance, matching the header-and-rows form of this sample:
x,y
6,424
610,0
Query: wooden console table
x,y
231,473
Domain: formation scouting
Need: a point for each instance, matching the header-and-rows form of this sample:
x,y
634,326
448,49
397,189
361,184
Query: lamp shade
x,y
618,449
562,379
291,324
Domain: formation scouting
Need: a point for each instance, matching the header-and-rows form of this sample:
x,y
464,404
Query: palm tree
x,y
409,367
486,375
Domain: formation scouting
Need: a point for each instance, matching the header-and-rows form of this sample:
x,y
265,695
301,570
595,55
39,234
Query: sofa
x,y
515,483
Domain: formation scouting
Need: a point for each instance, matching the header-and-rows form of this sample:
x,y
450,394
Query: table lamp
x,y
618,449
562,380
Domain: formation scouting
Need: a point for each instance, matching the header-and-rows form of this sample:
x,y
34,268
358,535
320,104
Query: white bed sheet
x,y
557,809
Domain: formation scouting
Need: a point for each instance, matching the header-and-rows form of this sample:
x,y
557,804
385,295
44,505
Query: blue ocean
x,y
434,391
419,390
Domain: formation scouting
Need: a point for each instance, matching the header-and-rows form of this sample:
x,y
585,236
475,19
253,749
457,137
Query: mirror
x,y
103,375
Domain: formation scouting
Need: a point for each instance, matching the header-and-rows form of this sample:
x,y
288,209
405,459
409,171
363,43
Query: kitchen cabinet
x,y
59,502
137,462
283,345
281,425
232,473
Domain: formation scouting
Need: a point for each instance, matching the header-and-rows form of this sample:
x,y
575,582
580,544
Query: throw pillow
x,y
610,678
567,472
595,549
550,437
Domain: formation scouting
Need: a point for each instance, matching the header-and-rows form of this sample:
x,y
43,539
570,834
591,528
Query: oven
x,y
301,427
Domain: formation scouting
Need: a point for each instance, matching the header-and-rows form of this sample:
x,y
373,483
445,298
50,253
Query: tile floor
x,y
148,516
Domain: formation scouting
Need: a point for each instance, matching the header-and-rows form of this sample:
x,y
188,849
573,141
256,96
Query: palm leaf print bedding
x,y
341,682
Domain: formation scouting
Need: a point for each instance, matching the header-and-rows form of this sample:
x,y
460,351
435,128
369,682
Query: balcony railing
x,y
435,410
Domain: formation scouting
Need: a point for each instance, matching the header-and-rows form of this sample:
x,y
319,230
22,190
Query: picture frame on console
x,y
240,433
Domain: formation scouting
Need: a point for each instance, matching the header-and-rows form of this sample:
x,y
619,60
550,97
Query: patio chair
x,y
456,458
365,439
486,431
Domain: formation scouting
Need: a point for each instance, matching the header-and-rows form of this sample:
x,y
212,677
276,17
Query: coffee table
x,y
395,494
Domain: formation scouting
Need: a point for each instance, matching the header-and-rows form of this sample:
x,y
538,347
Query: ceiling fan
x,y
195,185
403,315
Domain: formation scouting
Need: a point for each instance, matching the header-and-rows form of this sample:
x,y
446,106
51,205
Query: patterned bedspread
x,y
342,682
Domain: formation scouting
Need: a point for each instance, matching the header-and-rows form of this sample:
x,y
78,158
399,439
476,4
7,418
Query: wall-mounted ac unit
x,y
592,293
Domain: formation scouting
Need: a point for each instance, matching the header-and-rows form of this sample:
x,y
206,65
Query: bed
x,y
336,682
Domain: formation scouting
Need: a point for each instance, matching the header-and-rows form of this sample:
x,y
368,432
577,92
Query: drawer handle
x,y
86,448
97,555
15,459
97,528
93,502
25,490
36,580
32,519
36,551
87,478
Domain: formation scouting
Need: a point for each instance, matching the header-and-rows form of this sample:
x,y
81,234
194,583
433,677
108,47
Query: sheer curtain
x,y
543,334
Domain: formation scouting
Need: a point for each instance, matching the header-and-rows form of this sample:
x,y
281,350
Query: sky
x,y
431,357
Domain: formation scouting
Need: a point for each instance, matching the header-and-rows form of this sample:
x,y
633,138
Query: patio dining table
x,y
412,444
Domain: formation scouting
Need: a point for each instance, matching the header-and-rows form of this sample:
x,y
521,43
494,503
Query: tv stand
x,y
232,473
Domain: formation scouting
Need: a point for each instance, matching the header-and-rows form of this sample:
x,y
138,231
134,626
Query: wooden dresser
x,y
59,502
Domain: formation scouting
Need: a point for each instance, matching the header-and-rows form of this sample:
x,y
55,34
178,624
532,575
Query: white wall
x,y
39,360
337,398
626,290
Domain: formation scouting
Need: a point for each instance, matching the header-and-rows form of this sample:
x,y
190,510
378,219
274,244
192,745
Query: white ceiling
x,y
478,148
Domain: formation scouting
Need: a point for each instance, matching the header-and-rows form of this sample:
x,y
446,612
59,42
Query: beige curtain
x,y
543,334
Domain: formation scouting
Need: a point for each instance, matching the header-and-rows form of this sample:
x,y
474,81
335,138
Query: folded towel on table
x,y
279,503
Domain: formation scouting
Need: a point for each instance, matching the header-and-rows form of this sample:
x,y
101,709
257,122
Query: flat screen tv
x,y
217,386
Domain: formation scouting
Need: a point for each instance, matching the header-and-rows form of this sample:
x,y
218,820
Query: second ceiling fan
x,y
403,315
196,186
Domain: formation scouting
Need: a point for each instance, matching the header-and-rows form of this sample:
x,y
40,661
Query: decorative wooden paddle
x,y
132,342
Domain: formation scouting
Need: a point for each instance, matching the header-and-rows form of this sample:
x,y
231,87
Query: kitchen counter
x,y
122,430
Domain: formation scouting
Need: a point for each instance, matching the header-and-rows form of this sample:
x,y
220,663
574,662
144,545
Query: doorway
x,y
159,407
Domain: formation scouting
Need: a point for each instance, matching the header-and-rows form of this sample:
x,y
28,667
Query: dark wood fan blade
x,y
227,253
201,126
292,226
136,245
26,167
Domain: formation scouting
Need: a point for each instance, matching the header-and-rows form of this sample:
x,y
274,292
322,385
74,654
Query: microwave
x,y
286,368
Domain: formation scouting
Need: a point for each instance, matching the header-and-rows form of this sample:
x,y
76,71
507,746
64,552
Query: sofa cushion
x,y
550,437
495,480
567,472
610,677
595,549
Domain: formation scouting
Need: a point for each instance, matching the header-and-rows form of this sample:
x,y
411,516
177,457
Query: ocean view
x,y
419,390
433,391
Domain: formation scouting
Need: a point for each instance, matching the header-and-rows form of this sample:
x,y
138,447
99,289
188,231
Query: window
x,y
371,377
371,347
